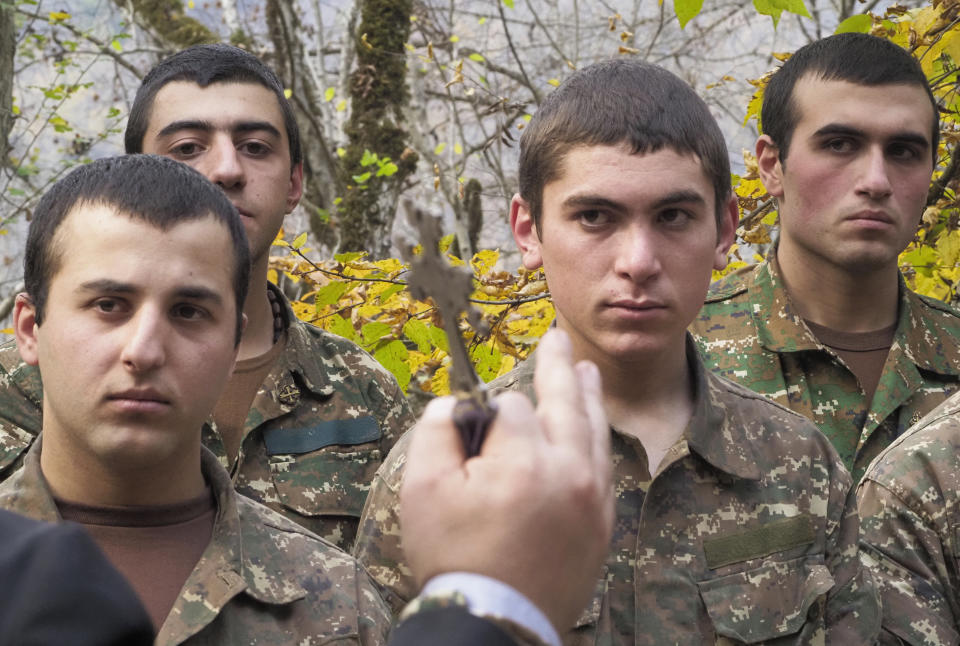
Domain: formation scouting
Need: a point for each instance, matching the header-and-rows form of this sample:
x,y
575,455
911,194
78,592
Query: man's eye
x,y
107,305
593,217
903,152
189,312
839,145
185,151
255,148
674,217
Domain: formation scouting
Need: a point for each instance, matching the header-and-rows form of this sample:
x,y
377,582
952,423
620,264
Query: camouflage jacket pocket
x,y
325,469
781,602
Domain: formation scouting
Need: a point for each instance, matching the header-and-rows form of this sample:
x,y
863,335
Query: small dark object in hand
x,y
473,418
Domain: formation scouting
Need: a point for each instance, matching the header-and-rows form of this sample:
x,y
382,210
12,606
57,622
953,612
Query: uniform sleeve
x,y
375,618
907,559
853,605
378,539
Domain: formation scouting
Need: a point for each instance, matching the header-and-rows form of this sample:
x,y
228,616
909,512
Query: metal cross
x,y
449,287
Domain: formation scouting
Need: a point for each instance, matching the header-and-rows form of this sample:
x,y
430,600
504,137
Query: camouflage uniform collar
x,y
711,432
780,327
714,431
26,491
295,359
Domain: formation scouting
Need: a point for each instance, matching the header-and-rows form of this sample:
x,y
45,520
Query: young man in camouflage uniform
x,y
735,518
308,416
825,325
910,504
136,270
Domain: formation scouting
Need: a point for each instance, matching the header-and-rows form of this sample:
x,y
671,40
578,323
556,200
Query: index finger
x,y
560,397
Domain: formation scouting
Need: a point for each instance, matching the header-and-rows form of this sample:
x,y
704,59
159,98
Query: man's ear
x,y
726,231
295,191
769,166
25,328
525,233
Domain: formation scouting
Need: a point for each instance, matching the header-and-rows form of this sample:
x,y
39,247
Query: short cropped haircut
x,y
204,65
856,58
150,188
620,101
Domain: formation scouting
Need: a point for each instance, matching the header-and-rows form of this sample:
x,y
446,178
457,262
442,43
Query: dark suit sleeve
x,y
448,626
58,588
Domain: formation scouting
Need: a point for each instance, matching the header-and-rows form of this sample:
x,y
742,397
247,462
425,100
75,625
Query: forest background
x,y
424,100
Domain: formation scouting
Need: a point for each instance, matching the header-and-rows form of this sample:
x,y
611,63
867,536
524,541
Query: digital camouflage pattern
x,y
261,580
320,425
910,502
746,534
749,332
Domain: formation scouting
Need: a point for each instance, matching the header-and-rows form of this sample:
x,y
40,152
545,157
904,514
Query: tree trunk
x,y
378,93
8,48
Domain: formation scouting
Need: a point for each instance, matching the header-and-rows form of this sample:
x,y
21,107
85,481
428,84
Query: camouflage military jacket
x,y
261,580
320,425
746,534
910,502
749,332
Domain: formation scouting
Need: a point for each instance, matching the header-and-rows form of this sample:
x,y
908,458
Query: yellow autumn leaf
x,y
299,241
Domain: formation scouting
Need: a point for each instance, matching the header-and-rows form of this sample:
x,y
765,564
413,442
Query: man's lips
x,y
139,400
869,216
639,305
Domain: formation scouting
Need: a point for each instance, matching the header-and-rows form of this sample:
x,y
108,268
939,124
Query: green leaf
x,y
16,191
342,327
299,240
486,361
387,169
390,291
477,58
348,257
393,357
417,331
373,331
439,338
368,158
329,94
860,24
508,3
330,293
116,45
440,148
361,179
686,10
923,259
768,8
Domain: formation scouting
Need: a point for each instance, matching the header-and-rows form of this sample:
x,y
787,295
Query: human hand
x,y
535,508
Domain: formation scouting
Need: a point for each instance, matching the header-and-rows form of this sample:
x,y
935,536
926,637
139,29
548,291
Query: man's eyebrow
x,y
207,126
108,286
587,200
191,292
196,293
680,197
839,129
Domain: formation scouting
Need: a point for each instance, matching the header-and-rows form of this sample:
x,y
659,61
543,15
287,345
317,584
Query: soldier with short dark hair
x,y
825,325
135,270
735,518
307,416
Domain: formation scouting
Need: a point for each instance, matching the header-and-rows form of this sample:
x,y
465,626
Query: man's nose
x,y
144,346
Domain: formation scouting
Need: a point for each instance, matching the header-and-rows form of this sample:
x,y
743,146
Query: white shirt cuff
x,y
490,597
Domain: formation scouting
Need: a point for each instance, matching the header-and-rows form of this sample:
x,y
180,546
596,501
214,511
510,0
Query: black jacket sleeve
x,y
448,626
58,588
